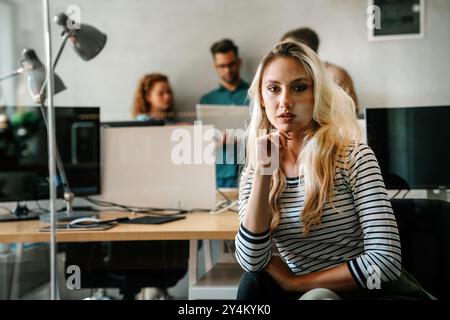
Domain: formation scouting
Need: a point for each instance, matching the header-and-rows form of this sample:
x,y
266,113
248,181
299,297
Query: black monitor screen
x,y
24,155
412,145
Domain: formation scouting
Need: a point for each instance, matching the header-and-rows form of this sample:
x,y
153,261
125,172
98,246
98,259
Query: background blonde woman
x,y
325,204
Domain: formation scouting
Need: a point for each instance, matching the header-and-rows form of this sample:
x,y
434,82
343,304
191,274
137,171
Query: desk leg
x,y
208,253
16,272
193,262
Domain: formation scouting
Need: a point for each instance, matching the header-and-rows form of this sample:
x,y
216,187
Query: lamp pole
x,y
87,44
51,149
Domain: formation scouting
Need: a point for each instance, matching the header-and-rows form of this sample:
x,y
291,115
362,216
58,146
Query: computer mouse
x,y
80,222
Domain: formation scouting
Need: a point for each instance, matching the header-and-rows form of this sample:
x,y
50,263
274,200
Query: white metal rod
x,y
12,74
51,148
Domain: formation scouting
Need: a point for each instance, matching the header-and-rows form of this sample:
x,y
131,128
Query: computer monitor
x,y
138,167
223,117
411,145
24,155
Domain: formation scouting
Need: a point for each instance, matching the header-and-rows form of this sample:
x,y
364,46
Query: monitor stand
x,y
20,213
440,194
14,217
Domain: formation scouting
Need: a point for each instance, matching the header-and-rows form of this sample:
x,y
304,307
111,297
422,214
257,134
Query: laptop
x,y
223,116
138,168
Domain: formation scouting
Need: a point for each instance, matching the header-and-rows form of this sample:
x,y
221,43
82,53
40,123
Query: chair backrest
x,y
424,226
129,265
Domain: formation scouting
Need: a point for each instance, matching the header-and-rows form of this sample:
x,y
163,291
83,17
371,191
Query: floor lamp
x,y
87,42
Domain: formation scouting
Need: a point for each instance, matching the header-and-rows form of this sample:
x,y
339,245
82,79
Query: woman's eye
x,y
273,89
300,87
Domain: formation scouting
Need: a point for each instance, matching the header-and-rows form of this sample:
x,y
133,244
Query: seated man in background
x,y
231,91
338,74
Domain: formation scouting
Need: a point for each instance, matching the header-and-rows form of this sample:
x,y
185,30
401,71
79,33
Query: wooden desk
x,y
197,226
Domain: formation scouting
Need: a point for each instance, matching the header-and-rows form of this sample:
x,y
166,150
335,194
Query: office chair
x,y
424,226
129,265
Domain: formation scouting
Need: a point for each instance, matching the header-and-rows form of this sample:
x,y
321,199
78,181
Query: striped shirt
x,y
362,232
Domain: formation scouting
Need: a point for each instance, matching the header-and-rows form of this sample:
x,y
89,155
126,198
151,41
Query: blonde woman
x,y
325,205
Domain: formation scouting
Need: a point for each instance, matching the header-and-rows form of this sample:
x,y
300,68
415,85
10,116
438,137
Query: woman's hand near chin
x,y
270,150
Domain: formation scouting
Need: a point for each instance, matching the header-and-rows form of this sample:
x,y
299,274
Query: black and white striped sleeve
x,y
381,260
253,250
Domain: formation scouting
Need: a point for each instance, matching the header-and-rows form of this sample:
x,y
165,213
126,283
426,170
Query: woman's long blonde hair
x,y
334,126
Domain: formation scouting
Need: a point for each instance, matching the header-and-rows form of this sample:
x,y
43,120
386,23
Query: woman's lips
x,y
286,117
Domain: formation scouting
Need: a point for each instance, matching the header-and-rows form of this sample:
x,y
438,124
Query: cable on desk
x,y
108,209
9,211
40,208
137,209
223,195
225,206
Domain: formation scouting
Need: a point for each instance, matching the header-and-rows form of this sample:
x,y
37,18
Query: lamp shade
x,y
35,73
87,40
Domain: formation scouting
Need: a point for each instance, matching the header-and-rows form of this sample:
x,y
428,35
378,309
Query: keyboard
x,y
153,220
